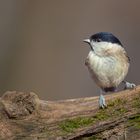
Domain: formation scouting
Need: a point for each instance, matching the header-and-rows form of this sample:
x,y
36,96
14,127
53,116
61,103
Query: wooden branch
x,y
25,116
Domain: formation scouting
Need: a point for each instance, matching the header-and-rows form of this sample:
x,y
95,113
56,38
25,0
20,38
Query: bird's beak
x,y
87,41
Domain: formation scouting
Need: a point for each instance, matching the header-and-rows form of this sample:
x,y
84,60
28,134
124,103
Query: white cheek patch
x,y
100,47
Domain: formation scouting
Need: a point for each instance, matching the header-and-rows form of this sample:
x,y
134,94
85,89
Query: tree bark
x,y
25,116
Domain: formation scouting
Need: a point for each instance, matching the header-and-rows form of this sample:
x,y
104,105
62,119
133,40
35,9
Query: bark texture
x,y
23,116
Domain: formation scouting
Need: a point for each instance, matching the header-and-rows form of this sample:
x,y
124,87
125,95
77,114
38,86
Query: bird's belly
x,y
107,71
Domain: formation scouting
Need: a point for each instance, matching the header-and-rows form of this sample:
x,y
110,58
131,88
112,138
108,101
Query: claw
x,y
102,103
129,85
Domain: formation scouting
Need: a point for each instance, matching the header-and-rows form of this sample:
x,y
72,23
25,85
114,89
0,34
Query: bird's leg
x,y
129,85
102,103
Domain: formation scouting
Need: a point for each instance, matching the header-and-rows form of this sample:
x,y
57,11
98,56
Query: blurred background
x,y
41,48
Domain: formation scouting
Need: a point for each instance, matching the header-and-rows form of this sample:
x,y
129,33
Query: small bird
x,y
108,63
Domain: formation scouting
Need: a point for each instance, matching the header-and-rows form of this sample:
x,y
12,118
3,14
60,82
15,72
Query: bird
x,y
108,63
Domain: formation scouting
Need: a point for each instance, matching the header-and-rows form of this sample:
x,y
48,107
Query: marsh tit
x,y
107,63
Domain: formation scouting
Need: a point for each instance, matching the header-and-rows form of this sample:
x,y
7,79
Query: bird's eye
x,y
98,40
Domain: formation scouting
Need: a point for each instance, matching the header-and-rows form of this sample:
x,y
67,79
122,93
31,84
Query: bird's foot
x,y
102,103
129,85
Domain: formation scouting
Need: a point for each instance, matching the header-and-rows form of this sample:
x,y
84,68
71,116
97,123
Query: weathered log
x,y
25,116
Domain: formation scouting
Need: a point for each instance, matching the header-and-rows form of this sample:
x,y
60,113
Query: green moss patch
x,y
72,124
117,102
115,108
135,121
136,102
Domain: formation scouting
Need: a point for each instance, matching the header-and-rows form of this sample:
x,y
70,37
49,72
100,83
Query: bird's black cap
x,y
105,36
